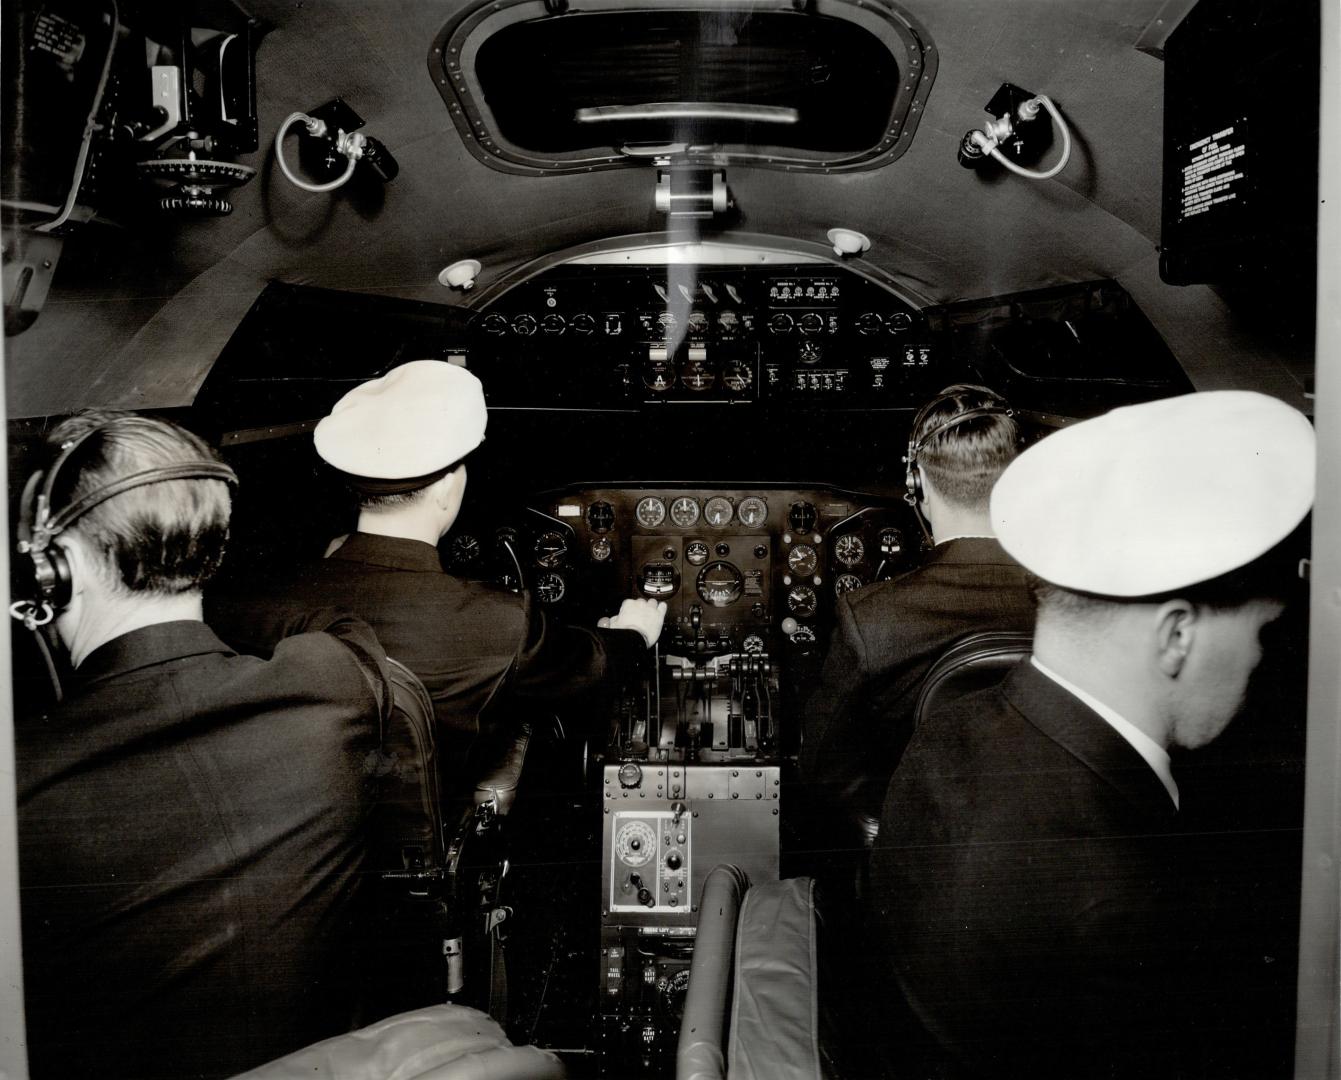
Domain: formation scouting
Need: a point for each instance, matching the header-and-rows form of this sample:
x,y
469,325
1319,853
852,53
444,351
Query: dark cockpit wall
x,y
141,308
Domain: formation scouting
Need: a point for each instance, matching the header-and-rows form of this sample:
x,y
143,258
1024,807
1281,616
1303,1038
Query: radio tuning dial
x,y
630,774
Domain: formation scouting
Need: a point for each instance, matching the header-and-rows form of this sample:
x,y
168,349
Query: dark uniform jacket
x,y
192,825
1037,898
886,639
469,643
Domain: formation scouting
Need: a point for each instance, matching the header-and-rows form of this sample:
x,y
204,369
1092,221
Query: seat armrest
x,y
498,785
701,1051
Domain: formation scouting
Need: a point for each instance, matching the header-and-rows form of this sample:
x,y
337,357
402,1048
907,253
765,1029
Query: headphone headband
x,y
38,525
912,480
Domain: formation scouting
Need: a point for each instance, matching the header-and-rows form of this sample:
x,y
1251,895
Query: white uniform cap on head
x,y
415,420
1155,497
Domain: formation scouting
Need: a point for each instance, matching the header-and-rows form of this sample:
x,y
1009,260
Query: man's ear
x,y
1175,628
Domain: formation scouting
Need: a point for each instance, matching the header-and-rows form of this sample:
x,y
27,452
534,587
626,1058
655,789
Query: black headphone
x,y
912,480
53,582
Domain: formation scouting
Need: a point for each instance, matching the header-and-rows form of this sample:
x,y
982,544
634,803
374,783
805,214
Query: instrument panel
x,y
742,570
610,336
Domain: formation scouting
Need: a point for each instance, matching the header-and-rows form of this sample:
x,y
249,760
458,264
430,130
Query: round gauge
x,y
728,322
635,843
802,601
811,323
752,511
650,512
658,375
869,323
845,583
753,644
737,376
899,322
696,553
553,323
495,323
600,549
718,511
848,549
801,517
803,635
600,517
666,323
549,549
891,543
810,352
697,375
582,323
506,534
802,560
698,323
781,323
720,584
462,550
523,325
549,587
684,512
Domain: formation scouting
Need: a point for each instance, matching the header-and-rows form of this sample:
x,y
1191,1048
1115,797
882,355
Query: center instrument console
x,y
691,773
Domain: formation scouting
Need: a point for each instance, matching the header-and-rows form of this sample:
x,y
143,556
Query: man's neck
x,y
1098,667
123,615
950,523
404,526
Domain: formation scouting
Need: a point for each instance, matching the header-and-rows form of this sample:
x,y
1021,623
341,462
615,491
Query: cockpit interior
x,y
708,259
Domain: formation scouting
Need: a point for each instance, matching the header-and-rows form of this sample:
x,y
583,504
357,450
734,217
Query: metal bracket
x,y
682,194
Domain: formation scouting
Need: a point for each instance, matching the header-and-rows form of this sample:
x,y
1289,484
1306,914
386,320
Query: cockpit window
x,y
834,86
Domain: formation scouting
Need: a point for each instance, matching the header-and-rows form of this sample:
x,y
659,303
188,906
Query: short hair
x,y
963,461
376,501
167,537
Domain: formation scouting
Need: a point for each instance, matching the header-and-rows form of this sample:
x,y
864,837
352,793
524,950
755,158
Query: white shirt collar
x,y
1154,754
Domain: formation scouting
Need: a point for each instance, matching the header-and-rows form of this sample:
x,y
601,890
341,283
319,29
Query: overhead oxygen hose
x,y
351,145
1028,110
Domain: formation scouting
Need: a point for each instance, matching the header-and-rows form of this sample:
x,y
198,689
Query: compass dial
x,y
849,550
549,587
635,843
752,511
802,560
718,511
846,583
650,512
684,512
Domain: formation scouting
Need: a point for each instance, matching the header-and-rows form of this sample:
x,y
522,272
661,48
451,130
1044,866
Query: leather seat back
x,y
409,825
972,663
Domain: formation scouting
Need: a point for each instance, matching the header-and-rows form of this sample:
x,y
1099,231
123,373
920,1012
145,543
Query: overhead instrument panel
x,y
601,336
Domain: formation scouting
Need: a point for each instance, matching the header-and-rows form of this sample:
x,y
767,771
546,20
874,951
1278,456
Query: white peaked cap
x,y
414,421
1156,497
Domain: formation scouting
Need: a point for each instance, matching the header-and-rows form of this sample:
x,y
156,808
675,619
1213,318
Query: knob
x,y
789,626
645,898
630,775
673,860
695,617
677,812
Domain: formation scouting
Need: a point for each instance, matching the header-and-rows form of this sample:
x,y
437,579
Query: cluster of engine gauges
x,y
740,570
686,334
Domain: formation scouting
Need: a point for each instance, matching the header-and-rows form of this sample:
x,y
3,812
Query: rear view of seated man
x,y
889,634
1041,891
399,442
192,823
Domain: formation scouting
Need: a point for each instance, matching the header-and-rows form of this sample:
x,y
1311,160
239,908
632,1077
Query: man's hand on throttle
x,y
643,615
